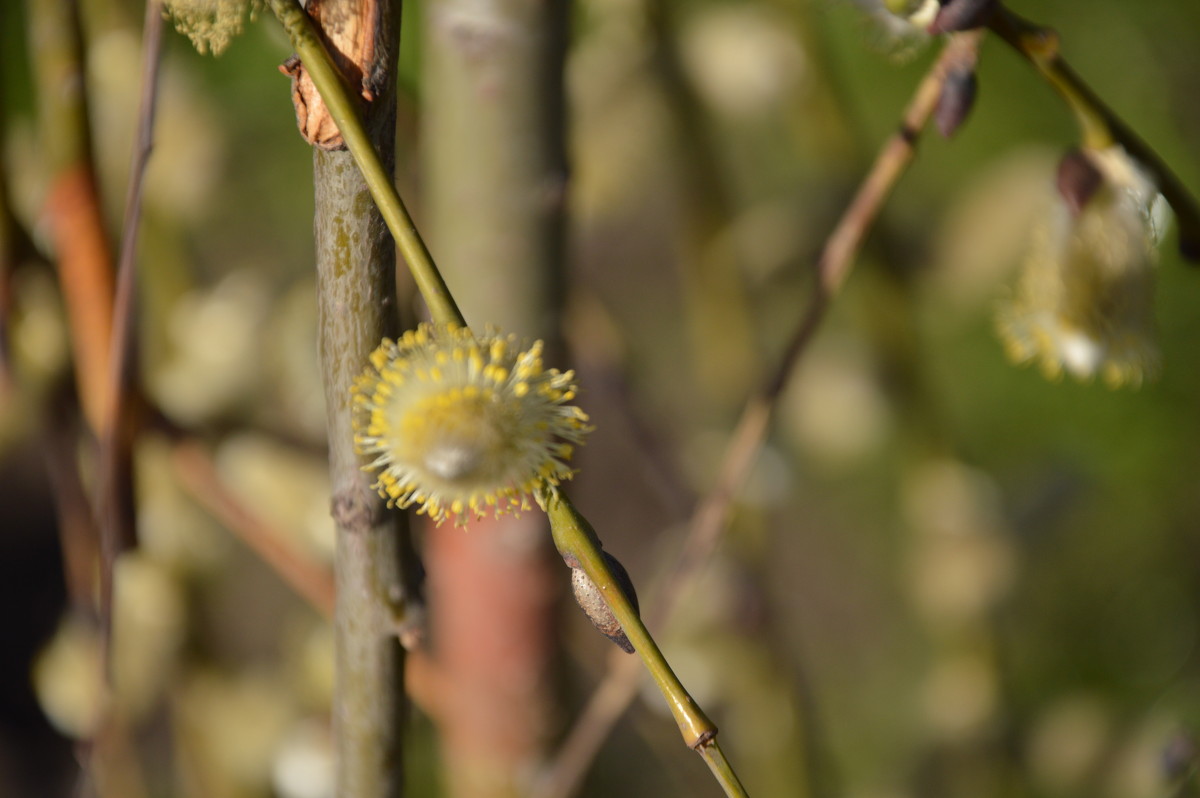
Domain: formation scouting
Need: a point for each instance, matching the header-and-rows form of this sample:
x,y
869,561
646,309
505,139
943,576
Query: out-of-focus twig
x,y
81,246
197,473
199,477
114,485
77,533
833,265
711,517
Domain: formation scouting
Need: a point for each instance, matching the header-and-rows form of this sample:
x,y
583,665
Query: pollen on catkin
x,y
1084,303
462,425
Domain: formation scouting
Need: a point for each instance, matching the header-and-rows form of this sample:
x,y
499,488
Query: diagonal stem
x,y
576,540
308,45
198,475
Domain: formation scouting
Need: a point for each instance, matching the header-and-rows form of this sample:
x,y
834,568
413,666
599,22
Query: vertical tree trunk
x,y
495,175
355,268
495,162
356,307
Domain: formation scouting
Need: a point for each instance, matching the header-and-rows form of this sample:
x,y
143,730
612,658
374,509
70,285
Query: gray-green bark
x,y
356,306
495,158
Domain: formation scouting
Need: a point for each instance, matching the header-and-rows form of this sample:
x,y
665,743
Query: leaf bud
x,y
1180,755
957,15
591,600
956,100
1078,178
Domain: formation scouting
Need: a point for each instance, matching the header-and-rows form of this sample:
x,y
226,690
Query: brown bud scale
x,y
956,100
591,600
1077,180
958,15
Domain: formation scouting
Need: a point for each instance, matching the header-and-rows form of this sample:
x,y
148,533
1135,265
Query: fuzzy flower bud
x,y
1084,300
920,13
462,425
211,24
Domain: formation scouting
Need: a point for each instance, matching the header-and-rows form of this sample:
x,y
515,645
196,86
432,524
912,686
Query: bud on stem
x,y
591,600
957,15
956,100
1078,178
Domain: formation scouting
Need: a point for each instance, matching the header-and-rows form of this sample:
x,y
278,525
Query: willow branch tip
x,y
1099,125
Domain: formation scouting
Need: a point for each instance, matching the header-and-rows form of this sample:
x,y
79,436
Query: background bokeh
x,y
947,577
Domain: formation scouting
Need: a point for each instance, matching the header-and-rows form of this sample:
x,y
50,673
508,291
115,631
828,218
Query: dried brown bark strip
x,y
354,34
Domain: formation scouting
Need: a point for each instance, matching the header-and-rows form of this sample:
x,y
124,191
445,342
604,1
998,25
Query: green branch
x,y
307,43
576,540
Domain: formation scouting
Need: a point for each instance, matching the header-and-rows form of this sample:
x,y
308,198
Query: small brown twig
x,y
712,516
198,475
77,533
114,485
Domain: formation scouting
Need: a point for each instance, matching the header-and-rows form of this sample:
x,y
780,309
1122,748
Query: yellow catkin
x,y
457,437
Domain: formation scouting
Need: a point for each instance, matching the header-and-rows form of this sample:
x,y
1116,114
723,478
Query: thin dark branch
x,y
114,506
77,533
